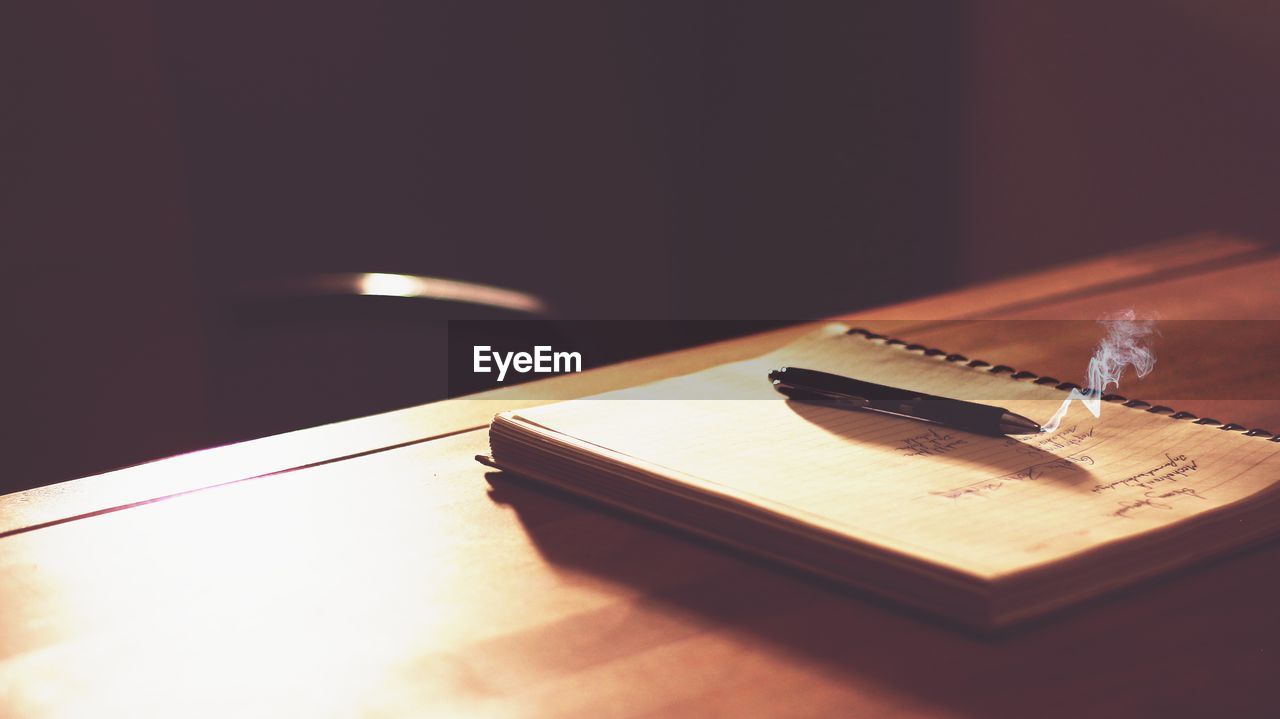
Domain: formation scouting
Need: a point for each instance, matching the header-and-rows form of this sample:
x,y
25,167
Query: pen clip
x,y
813,394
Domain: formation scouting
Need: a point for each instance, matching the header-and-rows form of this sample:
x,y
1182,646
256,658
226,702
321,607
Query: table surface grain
x,y
373,568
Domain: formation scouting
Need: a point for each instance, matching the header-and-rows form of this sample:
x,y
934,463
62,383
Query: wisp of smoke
x,y
1126,345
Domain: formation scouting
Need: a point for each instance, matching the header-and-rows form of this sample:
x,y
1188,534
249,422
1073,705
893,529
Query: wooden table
x,y
373,568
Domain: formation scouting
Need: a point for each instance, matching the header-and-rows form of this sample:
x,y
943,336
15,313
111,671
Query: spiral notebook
x,y
985,531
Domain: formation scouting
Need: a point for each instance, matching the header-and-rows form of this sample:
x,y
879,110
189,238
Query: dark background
x,y
712,160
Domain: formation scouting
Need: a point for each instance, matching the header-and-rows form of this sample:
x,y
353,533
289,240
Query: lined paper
x,y
987,506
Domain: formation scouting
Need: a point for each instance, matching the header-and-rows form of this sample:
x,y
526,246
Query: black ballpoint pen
x,y
807,384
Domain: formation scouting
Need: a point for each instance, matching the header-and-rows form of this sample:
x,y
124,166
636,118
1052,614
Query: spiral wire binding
x,y
1064,386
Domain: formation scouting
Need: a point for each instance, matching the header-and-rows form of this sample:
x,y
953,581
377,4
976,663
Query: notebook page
x,y
983,505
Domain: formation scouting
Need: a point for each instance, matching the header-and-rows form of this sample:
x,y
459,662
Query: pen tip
x,y
1011,423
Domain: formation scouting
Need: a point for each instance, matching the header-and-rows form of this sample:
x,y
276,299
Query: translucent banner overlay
x,y
1189,360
